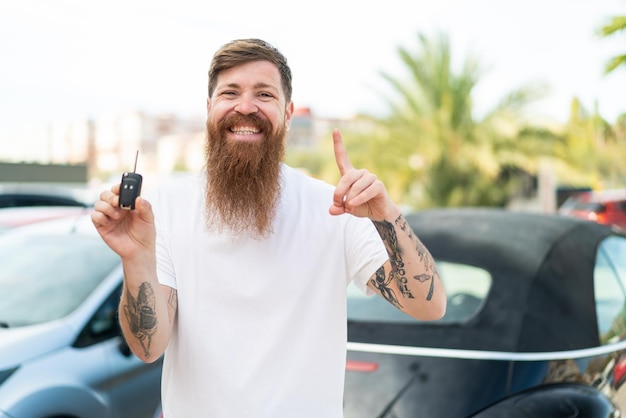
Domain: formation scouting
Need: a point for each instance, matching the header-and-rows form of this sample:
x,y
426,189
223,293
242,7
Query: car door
x,y
133,387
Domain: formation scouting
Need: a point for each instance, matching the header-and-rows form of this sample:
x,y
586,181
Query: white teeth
x,y
245,130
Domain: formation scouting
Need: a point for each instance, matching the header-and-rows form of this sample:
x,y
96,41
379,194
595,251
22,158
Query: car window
x,y
46,277
36,200
610,288
103,324
466,287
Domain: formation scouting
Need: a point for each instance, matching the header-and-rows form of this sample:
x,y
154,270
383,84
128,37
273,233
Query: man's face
x,y
246,125
251,88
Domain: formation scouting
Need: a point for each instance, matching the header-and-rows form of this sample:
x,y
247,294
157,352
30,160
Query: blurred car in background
x,y
604,206
534,327
26,194
61,349
13,217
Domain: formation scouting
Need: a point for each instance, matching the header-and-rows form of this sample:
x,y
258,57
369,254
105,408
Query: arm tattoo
x,y
424,255
141,315
387,232
429,263
382,284
173,299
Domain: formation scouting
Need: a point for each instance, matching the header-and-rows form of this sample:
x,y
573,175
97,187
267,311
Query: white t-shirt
x,y
261,324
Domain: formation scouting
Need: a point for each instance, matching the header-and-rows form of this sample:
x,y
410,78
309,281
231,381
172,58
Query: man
x,y
239,274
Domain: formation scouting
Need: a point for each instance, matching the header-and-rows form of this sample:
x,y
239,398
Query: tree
x,y
616,24
431,150
591,152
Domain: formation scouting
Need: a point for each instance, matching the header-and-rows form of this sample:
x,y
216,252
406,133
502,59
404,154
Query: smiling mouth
x,y
245,130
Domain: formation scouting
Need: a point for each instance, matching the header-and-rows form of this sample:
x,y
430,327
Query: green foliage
x,y
591,152
615,24
318,162
430,150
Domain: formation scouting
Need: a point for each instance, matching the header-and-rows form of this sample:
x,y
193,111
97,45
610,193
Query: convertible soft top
x,y
542,296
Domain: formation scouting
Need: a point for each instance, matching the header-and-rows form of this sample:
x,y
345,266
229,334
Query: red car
x,y
606,207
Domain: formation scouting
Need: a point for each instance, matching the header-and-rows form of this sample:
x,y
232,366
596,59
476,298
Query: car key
x,y
130,187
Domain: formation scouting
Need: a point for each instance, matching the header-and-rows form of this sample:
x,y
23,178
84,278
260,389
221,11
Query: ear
x,y
288,114
208,106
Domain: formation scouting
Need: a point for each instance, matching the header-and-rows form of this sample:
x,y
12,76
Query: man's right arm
x,y
147,309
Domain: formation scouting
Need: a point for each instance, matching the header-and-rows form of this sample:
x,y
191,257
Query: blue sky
x,y
64,60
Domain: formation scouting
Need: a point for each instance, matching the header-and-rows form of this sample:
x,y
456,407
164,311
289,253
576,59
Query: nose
x,y
246,105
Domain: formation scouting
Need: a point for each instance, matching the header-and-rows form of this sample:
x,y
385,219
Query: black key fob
x,y
130,188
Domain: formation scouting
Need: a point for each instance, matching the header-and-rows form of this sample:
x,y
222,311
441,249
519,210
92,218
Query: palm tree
x,y
591,151
616,24
608,140
431,148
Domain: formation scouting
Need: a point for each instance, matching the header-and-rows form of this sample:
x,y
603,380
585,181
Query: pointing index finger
x,y
341,156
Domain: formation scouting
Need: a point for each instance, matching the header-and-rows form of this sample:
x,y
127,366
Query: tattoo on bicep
x,y
173,299
141,315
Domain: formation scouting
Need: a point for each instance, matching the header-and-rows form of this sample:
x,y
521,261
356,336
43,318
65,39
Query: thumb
x,y
336,210
144,209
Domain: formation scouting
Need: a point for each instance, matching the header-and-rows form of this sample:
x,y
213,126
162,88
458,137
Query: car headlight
x,y
5,374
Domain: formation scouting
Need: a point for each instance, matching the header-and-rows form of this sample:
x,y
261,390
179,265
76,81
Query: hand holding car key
x,y
130,187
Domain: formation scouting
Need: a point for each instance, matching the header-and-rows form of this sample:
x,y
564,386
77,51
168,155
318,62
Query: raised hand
x,y
358,192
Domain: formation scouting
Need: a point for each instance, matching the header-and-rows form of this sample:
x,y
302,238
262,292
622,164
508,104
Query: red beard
x,y
243,178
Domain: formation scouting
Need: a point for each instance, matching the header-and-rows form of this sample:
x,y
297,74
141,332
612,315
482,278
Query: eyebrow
x,y
257,86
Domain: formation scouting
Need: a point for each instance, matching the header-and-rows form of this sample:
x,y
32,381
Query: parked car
x,y
39,194
603,206
24,215
61,349
534,327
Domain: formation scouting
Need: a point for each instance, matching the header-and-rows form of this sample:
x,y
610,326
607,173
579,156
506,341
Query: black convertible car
x,y
534,327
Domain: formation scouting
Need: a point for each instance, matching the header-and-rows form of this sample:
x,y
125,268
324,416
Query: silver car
x,y
61,349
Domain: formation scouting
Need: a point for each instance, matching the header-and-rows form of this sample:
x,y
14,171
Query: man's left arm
x,y
409,280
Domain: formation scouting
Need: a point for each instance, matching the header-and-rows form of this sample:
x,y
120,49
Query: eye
x,y
265,95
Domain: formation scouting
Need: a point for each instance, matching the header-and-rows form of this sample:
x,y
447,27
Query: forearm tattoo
x,y
424,255
387,232
141,315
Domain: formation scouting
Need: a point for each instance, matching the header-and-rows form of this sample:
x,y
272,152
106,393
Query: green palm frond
x,y
613,63
616,24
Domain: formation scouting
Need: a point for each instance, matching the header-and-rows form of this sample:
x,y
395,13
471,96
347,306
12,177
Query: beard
x,y
243,178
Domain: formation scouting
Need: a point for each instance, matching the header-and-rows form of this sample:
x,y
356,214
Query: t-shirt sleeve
x,y
365,253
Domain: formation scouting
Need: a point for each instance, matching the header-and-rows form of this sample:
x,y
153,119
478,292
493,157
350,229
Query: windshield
x,y
609,279
43,278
